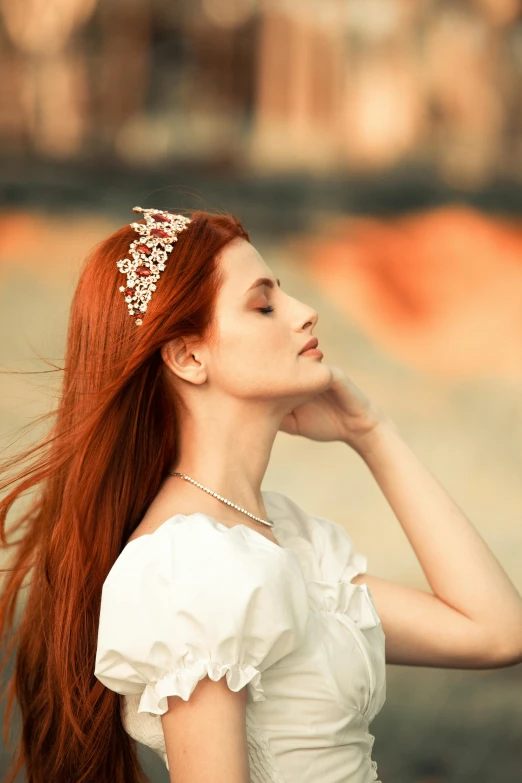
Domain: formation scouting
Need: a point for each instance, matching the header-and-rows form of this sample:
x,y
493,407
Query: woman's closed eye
x,y
268,309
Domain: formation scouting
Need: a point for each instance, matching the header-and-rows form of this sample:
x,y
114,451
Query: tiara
x,y
147,256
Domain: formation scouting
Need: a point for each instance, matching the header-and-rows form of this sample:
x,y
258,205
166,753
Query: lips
x,y
313,343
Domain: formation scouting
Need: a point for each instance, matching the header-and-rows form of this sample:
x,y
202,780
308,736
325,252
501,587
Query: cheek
x,y
255,361
252,340
241,362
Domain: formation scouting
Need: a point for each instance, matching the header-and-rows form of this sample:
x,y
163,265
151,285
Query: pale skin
x,y
240,390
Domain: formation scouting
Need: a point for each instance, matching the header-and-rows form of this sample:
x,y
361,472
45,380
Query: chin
x,y
328,374
321,377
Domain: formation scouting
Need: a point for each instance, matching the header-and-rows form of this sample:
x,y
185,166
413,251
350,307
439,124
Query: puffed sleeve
x,y
330,558
337,549
326,548
191,600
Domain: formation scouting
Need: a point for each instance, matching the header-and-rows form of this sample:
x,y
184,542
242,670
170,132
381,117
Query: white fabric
x,y
197,597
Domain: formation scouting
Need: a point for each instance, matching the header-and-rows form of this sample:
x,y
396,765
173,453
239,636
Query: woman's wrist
x,y
371,442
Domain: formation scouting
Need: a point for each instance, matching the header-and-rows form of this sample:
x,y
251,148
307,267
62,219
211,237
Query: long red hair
x,y
95,474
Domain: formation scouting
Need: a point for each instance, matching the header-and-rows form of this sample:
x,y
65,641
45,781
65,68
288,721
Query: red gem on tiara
x,y
129,292
160,219
144,249
158,232
143,271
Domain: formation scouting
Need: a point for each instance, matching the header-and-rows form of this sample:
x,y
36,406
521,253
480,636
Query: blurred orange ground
x,y
440,290
47,245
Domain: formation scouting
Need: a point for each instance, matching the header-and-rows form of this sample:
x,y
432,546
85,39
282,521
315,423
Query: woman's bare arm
x,y
205,737
474,617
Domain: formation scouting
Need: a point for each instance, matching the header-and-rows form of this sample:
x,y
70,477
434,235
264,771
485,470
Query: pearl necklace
x,y
224,500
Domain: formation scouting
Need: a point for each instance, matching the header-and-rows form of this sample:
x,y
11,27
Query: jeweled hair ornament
x,y
147,256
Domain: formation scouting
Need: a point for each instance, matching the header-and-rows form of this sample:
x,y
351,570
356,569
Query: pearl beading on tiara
x,y
147,256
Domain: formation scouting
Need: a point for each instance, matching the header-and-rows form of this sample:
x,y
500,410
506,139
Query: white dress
x,y
197,597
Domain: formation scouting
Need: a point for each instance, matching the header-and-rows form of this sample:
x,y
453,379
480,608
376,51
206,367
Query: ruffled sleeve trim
x,y
182,682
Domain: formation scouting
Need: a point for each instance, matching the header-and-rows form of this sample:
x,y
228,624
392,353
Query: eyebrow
x,y
263,281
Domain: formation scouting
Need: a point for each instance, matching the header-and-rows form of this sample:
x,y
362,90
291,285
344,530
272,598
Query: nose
x,y
312,318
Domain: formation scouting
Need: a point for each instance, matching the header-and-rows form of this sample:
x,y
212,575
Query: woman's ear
x,y
183,359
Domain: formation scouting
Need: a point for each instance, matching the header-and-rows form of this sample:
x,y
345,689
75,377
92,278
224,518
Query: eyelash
x,y
268,309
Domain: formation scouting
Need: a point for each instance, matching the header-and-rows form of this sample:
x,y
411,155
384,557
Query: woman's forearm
x,y
459,566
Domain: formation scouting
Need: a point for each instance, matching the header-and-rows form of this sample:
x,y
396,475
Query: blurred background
x,y
373,149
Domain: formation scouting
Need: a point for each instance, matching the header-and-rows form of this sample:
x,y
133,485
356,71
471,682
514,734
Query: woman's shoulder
x,y
292,517
199,531
192,550
326,550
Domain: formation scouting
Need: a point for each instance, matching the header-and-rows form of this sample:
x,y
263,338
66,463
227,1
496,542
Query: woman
x,y
240,636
